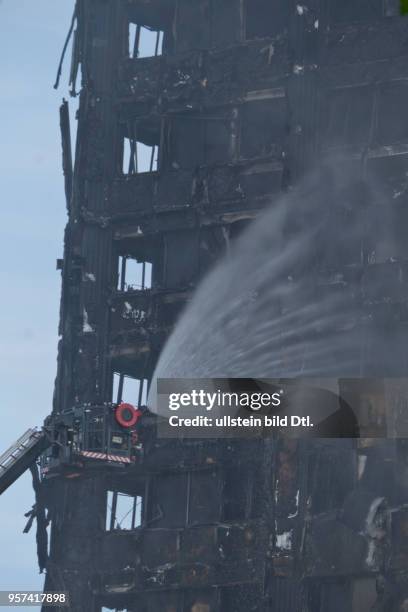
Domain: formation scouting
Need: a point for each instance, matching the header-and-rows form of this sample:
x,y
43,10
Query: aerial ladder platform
x,y
99,434
21,455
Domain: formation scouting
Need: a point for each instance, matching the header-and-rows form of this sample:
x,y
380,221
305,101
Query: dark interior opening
x,y
392,123
349,116
263,127
265,18
350,10
200,140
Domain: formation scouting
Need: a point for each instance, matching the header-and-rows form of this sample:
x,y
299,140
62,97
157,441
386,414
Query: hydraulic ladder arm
x,y
21,455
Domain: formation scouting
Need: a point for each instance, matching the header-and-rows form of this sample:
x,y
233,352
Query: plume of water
x,y
285,301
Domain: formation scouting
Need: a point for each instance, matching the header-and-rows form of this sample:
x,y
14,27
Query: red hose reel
x,y
127,415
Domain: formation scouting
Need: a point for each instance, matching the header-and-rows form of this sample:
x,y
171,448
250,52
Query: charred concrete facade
x,y
176,153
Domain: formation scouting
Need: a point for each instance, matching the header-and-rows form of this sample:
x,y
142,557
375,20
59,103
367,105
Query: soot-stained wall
x,y
237,103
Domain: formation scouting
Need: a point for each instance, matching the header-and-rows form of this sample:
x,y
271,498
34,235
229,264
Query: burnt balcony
x,y
191,81
140,321
246,185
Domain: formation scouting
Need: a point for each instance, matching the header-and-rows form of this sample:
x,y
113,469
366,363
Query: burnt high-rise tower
x,y
176,152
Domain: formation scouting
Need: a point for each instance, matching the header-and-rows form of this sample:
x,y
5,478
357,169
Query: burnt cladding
x,y
193,116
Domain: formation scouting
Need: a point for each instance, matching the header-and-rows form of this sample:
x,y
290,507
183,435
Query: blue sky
x,y
31,238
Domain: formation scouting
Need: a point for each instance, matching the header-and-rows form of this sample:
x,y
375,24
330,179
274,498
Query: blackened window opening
x,y
129,389
139,157
133,274
123,511
145,41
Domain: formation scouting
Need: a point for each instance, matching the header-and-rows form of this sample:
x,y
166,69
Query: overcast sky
x,y
31,226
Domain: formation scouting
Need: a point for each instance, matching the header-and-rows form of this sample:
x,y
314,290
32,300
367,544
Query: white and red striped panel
x,y
105,457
